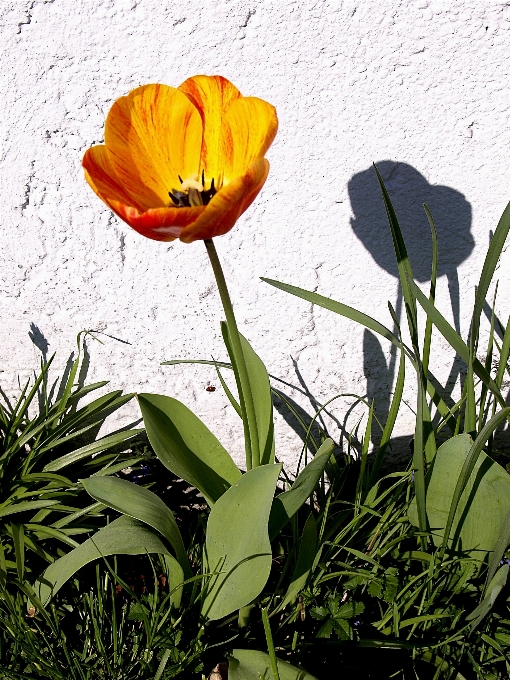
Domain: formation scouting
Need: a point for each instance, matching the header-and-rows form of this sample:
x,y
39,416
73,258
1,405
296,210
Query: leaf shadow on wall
x,y
408,190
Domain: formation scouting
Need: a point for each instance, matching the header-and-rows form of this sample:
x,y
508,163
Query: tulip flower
x,y
182,162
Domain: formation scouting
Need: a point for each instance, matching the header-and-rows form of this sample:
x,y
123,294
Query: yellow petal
x,y
249,127
212,96
228,204
153,135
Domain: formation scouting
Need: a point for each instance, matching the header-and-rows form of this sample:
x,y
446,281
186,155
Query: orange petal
x,y
153,135
248,129
160,224
100,175
212,96
228,204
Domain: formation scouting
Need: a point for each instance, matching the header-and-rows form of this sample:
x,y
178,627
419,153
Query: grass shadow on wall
x,y
452,214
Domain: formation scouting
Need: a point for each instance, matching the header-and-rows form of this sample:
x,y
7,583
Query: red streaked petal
x,y
212,96
101,177
159,224
228,204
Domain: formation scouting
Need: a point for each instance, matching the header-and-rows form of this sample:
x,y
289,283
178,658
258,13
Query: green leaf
x,y
306,556
88,451
364,320
403,262
489,266
469,464
390,422
422,619
349,610
338,308
175,575
237,542
494,588
483,505
249,664
124,536
93,412
288,503
503,355
262,400
499,549
142,504
14,508
433,276
441,664
18,535
186,446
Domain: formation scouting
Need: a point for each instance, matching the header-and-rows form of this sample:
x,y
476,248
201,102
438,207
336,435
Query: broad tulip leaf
x,y
305,560
124,536
237,543
483,505
142,504
261,393
186,446
288,503
249,664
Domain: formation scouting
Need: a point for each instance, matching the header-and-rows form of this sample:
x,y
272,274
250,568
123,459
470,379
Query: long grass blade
x,y
499,549
432,294
503,355
390,422
458,344
491,260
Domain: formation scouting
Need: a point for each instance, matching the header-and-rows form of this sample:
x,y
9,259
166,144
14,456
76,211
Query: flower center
x,y
192,192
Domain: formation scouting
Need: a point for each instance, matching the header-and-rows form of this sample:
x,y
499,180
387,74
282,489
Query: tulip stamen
x,y
192,192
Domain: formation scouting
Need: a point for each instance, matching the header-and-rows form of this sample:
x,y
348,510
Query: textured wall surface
x,y
419,86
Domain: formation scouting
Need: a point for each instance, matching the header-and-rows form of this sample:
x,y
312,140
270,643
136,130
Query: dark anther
x,y
209,193
180,198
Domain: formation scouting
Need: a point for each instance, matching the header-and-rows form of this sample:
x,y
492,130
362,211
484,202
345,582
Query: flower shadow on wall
x,y
452,214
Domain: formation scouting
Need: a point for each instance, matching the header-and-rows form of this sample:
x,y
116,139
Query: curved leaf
x,y
494,588
186,446
124,536
237,542
483,505
142,504
306,557
249,664
261,393
288,503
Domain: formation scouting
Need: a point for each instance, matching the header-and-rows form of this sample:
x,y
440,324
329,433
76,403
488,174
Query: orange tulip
x,y
182,162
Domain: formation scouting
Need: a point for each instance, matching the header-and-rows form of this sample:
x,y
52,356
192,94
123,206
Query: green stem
x,y
270,644
245,396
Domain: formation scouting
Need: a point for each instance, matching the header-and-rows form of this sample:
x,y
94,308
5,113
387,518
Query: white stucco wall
x,y
423,83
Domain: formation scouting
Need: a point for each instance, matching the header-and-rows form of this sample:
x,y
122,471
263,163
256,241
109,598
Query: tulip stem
x,y
239,363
